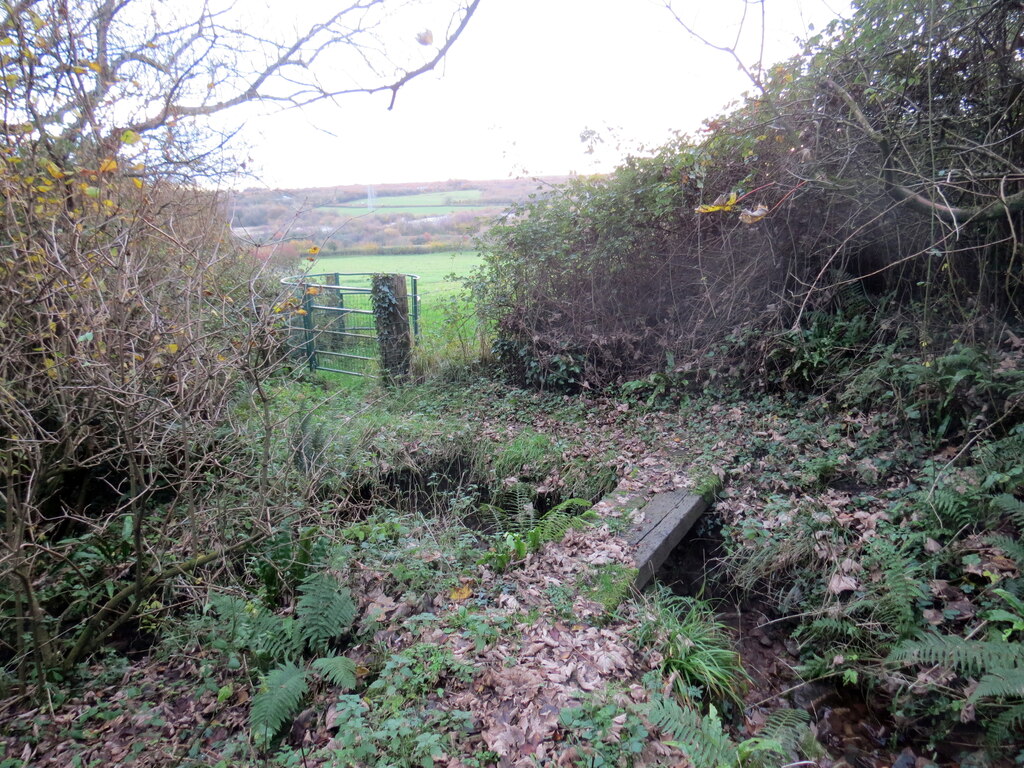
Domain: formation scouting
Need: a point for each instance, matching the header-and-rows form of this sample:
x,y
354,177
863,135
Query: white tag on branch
x,y
752,217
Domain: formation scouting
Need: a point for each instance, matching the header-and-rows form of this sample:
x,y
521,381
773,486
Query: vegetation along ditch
x,y
212,557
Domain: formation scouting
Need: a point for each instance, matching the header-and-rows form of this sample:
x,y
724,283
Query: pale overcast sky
x,y
516,91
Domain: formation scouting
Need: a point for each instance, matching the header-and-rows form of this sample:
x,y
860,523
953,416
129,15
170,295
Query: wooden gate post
x,y
391,312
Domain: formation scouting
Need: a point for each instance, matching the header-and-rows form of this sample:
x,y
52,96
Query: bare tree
x,y
102,73
130,320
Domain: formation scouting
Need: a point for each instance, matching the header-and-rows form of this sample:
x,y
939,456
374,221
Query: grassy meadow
x,y
434,270
425,204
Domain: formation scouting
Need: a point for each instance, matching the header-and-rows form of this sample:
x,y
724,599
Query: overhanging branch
x,y
998,208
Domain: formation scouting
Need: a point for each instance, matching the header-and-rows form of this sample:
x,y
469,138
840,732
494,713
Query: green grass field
x,y
433,270
426,204
427,198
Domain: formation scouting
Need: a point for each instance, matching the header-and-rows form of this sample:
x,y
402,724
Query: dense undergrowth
x,y
367,629
210,559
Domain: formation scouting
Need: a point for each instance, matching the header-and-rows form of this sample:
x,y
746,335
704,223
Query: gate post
x,y
308,329
391,312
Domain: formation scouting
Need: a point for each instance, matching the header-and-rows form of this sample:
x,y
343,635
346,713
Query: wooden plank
x,y
667,519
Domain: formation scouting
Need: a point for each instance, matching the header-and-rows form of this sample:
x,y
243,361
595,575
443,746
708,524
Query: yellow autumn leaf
x,y
50,365
314,250
108,165
722,203
461,593
53,170
95,67
129,137
171,348
301,312
313,290
137,182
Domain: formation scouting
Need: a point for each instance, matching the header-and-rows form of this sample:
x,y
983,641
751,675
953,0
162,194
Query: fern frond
x,y
702,738
494,517
228,607
325,610
554,525
1001,461
1007,683
1011,547
270,636
278,638
831,629
786,726
337,670
966,657
516,501
277,701
955,510
1007,726
1011,507
850,295
898,592
572,507
233,613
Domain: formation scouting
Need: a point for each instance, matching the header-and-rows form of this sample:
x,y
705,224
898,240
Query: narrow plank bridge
x,y
662,524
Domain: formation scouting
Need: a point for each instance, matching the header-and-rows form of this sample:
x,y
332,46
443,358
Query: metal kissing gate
x,y
334,326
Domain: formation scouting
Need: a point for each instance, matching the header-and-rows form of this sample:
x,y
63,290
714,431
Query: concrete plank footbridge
x,y
661,524
658,527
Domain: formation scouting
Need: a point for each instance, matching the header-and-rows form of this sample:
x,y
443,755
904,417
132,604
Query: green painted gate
x,y
334,328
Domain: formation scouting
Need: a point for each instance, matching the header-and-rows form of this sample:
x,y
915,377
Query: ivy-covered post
x,y
308,331
391,312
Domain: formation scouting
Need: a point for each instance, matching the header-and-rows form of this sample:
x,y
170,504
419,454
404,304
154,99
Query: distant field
x,y
427,198
426,204
432,269
352,211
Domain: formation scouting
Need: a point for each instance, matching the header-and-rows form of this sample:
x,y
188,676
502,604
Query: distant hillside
x,y
411,217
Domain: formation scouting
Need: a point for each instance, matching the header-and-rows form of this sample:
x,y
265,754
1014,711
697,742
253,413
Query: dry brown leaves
x,y
552,663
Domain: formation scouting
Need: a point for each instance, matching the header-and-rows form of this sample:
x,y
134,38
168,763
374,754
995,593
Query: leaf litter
x,y
556,648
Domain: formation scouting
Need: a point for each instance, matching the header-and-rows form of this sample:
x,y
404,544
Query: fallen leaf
x,y
459,594
840,583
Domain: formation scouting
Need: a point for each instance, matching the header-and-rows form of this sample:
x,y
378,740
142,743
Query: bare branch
x,y
754,77
998,208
